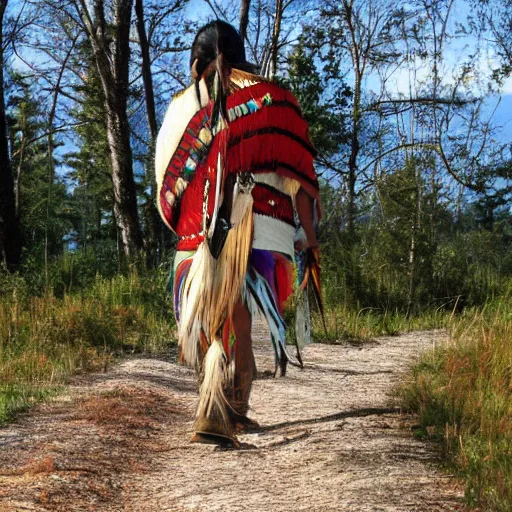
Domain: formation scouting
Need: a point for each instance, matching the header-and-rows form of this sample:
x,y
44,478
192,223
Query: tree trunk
x,y
351,182
352,162
274,49
244,18
51,166
146,70
358,65
125,198
415,227
113,69
10,237
154,225
17,176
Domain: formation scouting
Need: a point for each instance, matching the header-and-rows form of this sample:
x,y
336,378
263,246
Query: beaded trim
x,y
253,105
192,236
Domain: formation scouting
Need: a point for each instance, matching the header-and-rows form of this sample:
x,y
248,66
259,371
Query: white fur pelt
x,y
181,110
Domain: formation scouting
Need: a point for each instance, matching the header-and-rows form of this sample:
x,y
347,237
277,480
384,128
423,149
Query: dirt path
x,y
330,441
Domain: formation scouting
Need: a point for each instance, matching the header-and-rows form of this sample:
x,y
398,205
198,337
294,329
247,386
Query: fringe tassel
x,y
213,287
229,274
302,323
242,201
260,299
190,325
212,400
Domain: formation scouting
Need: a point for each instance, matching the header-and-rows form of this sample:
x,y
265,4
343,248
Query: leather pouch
x,y
218,239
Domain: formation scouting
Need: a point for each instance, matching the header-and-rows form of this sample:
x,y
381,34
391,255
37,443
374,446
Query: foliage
x,y
416,222
406,230
323,107
90,167
394,210
463,396
46,339
45,218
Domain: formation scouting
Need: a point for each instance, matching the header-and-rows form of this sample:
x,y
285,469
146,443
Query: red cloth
x,y
272,138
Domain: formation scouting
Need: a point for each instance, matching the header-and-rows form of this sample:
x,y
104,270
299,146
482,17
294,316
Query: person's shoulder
x,y
182,92
245,83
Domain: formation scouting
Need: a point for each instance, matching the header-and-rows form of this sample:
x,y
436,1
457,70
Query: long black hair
x,y
219,37
221,43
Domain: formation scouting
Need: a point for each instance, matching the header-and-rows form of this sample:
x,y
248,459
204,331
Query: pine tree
x,y
30,160
93,200
325,108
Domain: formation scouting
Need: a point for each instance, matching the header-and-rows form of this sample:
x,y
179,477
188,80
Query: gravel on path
x,y
330,440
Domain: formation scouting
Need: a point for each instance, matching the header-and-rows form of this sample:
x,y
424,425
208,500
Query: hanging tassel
x,y
302,322
193,298
214,286
242,197
229,274
311,279
260,299
212,400
190,328
220,90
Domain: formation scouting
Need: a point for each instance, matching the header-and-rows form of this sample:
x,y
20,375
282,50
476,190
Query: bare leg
x,y
244,359
242,324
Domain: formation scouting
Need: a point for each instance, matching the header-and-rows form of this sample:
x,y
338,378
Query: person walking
x,y
234,170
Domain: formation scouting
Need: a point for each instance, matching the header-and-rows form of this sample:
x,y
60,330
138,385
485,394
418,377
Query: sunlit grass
x,y
463,395
462,391
15,398
348,324
44,340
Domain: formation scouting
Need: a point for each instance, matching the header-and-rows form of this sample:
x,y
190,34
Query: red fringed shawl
x,y
266,133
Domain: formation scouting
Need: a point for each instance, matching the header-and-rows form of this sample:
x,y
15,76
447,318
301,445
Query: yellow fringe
x,y
229,275
213,287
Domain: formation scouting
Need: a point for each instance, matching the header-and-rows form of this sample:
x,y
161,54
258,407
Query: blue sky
x,y
456,53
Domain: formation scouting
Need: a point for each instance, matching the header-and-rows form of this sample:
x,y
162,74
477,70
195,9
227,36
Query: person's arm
x,y
304,204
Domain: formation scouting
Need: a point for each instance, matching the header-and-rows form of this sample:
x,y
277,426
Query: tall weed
x,y
44,340
463,395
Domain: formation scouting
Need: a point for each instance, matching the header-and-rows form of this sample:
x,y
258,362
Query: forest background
x,y
410,109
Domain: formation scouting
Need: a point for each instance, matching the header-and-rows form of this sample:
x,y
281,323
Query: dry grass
x,y
46,465
126,408
44,340
463,394
96,439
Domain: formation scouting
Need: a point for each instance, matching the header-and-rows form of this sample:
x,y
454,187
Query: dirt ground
x,y
330,440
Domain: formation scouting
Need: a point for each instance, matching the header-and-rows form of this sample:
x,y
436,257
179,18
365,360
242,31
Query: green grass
x,y
16,398
345,324
44,340
462,393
